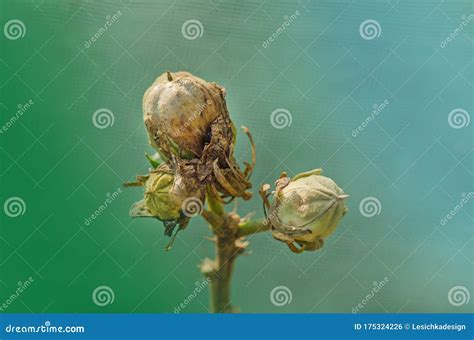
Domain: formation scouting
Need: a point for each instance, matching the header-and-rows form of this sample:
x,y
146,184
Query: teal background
x,y
320,69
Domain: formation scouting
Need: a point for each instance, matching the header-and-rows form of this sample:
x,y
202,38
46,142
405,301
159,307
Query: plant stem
x,y
219,271
229,230
226,254
252,227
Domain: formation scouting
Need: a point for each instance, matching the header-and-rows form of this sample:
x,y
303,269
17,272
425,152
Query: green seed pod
x,y
306,209
171,195
162,198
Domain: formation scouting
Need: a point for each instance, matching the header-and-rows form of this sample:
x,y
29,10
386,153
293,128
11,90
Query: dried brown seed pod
x,y
177,110
186,118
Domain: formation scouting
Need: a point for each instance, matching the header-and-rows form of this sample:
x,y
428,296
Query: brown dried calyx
x,y
187,120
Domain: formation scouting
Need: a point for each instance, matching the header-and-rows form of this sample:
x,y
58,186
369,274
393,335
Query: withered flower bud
x,y
305,209
178,109
186,119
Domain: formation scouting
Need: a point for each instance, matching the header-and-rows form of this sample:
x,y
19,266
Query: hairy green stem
x,y
252,227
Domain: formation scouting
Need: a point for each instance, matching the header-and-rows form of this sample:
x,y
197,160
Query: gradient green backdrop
x,y
320,69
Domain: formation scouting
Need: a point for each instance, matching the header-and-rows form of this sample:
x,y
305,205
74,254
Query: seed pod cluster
x,y
188,124
187,120
305,210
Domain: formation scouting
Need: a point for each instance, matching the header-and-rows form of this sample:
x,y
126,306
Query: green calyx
x,y
160,197
159,200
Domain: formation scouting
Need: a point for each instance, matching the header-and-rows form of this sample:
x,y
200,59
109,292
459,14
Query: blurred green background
x,y
326,74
